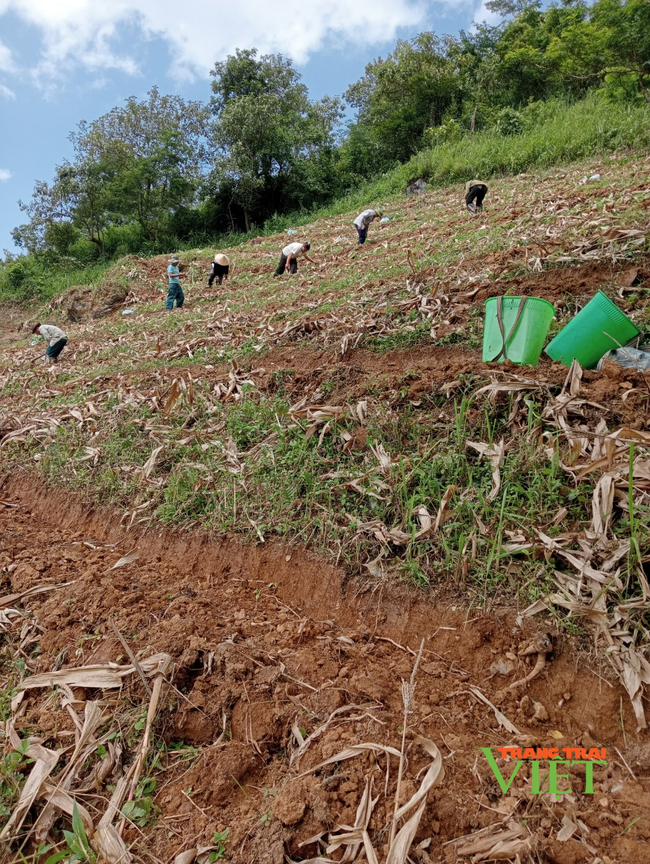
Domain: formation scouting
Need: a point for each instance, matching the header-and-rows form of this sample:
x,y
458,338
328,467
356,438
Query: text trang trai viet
x,y
547,782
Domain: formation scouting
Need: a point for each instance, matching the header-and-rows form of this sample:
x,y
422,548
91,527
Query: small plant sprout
x,y
220,840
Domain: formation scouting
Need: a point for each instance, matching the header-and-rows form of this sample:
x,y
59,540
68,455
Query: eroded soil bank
x,y
267,639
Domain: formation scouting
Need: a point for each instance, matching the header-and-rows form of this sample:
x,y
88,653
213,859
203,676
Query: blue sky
x,y
63,61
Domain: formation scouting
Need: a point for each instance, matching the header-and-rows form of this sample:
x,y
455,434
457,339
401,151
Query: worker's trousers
x,y
175,293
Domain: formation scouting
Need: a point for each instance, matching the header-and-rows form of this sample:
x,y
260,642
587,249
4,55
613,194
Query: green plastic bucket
x,y
599,327
524,338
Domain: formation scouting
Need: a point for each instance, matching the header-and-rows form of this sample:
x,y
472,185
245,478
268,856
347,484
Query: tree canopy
x,y
151,173
270,138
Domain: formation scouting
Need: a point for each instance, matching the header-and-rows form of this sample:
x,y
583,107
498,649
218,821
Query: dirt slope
x,y
263,643
269,638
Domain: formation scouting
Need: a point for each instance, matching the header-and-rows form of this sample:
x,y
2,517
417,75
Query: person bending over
x,y
219,269
289,258
362,222
475,191
57,340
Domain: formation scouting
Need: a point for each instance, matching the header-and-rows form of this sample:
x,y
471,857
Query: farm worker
x,y
289,258
219,269
175,291
57,340
361,224
475,191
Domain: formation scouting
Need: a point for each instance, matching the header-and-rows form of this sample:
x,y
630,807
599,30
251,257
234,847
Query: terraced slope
x,y
345,410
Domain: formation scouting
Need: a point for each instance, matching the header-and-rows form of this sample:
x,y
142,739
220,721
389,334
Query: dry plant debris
x,y
148,409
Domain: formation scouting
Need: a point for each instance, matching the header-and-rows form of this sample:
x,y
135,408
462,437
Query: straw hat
x,y
221,259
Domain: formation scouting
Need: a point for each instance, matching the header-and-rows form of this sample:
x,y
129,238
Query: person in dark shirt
x,y
475,191
219,269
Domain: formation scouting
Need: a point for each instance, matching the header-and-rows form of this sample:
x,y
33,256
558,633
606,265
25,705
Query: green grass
x,y
31,279
570,133
399,341
563,134
281,483
556,135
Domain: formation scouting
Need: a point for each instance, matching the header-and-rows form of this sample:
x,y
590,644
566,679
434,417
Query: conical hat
x,y
221,259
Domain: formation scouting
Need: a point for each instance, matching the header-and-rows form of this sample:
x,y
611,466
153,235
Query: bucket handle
x,y
505,338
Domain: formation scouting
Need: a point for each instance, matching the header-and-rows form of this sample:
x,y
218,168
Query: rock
x,y
540,713
82,302
108,299
501,667
76,302
417,187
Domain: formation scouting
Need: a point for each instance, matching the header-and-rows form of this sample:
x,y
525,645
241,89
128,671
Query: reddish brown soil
x,y
266,637
269,636
429,371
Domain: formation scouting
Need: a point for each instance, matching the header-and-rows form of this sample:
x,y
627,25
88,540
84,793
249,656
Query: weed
x,y
78,847
221,839
141,809
401,340
11,777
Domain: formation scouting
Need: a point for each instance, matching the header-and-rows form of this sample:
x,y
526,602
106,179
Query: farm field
x,y
246,525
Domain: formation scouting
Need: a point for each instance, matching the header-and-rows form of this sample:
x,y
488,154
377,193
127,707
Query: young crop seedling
x,y
221,839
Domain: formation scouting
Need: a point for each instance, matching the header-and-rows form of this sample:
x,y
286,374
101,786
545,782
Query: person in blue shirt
x,y
175,291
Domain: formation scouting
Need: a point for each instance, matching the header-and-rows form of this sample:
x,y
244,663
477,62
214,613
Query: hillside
x,y
269,501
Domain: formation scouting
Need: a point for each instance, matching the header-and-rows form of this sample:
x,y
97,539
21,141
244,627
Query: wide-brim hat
x,y
174,259
222,259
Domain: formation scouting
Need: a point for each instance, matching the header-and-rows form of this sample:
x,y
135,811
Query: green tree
x,y
273,145
138,164
76,200
156,153
625,25
414,88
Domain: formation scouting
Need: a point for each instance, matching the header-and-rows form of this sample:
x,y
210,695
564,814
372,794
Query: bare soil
x,y
267,637
271,644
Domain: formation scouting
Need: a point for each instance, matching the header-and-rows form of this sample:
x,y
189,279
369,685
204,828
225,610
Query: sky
x,y
64,61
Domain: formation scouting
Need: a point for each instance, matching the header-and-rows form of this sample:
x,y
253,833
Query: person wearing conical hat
x,y
219,269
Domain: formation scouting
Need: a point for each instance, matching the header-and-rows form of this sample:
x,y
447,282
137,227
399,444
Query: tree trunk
x,y
643,88
97,240
472,125
246,222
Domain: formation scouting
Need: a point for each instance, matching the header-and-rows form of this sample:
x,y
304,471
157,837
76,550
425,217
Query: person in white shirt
x,y
361,224
56,338
289,257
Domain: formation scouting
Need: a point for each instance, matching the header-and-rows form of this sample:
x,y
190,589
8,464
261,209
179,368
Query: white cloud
x,y
106,35
6,61
484,15
5,174
6,92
